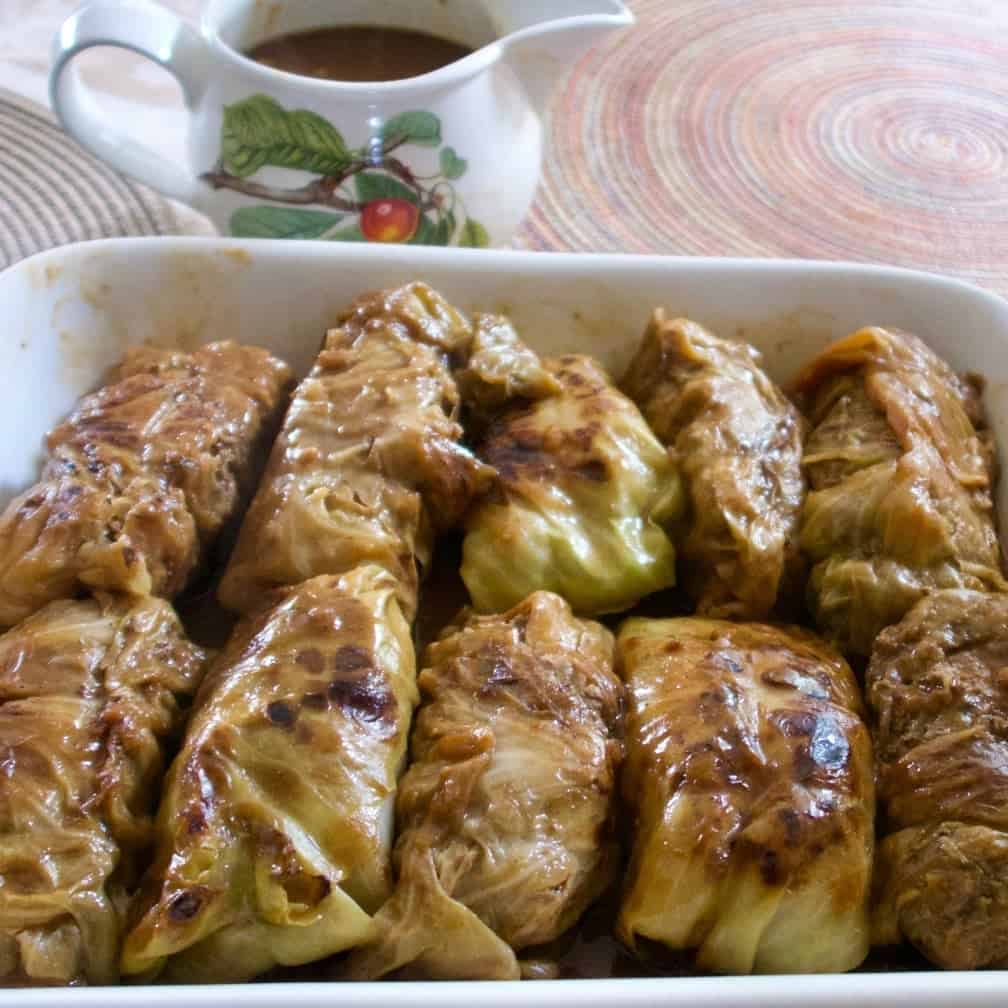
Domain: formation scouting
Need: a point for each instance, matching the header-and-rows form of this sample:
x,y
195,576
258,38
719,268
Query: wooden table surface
x,y
872,130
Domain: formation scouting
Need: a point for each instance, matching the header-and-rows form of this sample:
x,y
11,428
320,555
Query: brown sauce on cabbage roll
x,y
749,776
585,499
92,693
902,472
937,685
369,463
142,477
738,443
274,831
504,817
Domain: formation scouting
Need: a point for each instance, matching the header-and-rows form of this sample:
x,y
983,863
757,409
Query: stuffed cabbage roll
x,y
499,369
583,503
368,464
90,692
141,477
505,815
901,470
936,685
750,777
274,831
737,441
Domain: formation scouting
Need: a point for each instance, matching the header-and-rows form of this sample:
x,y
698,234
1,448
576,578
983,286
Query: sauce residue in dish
x,y
358,53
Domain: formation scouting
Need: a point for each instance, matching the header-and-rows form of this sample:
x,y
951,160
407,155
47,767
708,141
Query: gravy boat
x,y
450,157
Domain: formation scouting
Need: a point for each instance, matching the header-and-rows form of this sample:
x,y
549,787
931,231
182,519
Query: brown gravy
x,y
358,53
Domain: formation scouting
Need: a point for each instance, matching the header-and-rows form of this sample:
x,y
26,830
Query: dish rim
x,y
921,989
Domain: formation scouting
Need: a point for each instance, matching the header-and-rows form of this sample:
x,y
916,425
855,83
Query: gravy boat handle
x,y
147,29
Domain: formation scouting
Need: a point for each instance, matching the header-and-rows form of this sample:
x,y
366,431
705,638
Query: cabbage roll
x,y
90,694
750,778
583,503
901,469
737,441
368,464
505,815
141,478
274,831
500,368
936,685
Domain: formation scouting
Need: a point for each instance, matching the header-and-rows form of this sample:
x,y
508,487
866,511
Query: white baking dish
x,y
68,313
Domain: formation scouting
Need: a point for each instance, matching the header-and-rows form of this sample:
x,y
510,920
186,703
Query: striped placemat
x,y
53,192
871,130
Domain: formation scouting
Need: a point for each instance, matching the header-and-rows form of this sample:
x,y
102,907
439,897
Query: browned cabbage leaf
x,y
141,477
583,503
274,831
504,816
369,463
936,685
900,500
749,772
500,369
737,441
89,694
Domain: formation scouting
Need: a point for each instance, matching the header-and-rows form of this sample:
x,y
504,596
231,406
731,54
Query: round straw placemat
x,y
871,130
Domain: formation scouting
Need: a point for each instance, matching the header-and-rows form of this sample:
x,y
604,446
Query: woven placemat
x,y
871,130
52,192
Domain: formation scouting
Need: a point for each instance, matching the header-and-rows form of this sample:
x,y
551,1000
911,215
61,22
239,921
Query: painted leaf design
x,y
426,232
416,127
374,185
474,235
445,229
281,222
259,131
351,233
452,166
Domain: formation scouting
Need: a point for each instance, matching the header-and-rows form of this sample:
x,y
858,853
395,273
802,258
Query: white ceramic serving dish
x,y
68,313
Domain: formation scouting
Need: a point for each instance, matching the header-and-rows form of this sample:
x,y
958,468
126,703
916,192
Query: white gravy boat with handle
x,y
450,157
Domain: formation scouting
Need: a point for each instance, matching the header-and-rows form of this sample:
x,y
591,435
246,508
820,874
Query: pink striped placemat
x,y
872,130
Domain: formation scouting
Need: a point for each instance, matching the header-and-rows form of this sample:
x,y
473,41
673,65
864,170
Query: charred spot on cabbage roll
x,y
505,815
274,831
583,502
936,685
90,693
737,441
369,462
901,479
141,477
749,774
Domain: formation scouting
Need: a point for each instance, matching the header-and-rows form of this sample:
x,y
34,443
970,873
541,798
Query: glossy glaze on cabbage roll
x,y
274,832
738,443
901,469
750,779
90,694
142,476
583,503
504,817
368,464
937,685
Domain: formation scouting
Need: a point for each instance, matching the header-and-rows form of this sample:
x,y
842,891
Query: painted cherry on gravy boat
x,y
389,220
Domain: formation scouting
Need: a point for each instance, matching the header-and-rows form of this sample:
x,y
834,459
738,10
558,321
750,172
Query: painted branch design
x,y
356,194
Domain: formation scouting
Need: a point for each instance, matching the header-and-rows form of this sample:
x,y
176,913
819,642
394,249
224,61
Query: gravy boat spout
x,y
541,39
